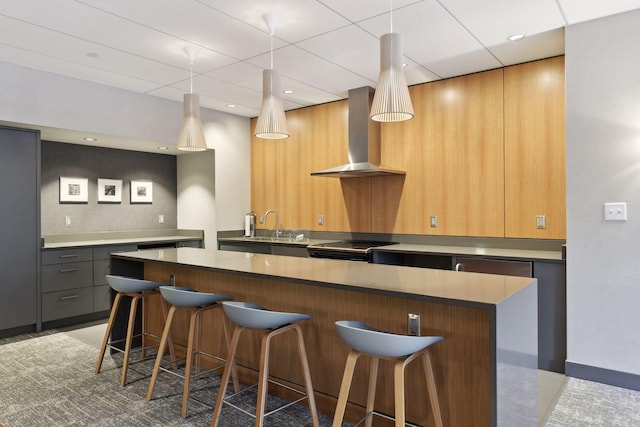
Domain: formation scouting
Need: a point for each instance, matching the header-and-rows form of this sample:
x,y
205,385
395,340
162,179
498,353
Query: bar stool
x,y
377,344
252,316
196,303
137,290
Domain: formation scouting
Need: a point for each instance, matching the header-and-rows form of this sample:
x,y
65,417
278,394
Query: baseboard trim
x,y
604,376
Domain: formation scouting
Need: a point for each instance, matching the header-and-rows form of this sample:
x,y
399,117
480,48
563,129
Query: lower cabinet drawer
x,y
101,298
58,277
73,302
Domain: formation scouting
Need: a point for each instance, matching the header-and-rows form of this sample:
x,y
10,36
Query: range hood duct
x,y
364,141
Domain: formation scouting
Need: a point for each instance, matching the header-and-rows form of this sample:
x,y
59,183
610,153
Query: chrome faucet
x,y
263,220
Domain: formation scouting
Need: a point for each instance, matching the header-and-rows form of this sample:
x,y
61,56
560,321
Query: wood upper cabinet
x,y
281,180
452,152
535,149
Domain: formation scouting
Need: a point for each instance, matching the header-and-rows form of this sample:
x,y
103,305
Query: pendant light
x,y
272,123
191,135
391,102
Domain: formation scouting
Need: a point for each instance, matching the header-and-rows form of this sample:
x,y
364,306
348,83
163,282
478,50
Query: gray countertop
x,y
61,241
471,289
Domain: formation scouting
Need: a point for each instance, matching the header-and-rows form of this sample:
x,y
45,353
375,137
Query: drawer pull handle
x,y
68,256
68,270
69,297
459,267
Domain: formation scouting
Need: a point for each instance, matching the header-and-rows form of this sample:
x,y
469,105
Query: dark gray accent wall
x,y
80,161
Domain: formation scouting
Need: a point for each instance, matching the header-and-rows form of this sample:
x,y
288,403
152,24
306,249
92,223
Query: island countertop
x,y
460,288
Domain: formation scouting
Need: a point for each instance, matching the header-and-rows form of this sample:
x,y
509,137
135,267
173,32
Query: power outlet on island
x,y
413,324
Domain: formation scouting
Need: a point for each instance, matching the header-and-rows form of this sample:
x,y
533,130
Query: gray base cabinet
x,y
19,228
74,281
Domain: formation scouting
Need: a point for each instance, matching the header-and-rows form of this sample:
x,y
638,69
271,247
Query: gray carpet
x,y
49,380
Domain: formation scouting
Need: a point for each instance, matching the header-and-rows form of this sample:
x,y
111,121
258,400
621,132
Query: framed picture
x,y
141,192
74,190
109,190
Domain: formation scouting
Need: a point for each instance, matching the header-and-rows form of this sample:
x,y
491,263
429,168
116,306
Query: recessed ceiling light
x,y
90,139
515,37
231,105
163,148
288,91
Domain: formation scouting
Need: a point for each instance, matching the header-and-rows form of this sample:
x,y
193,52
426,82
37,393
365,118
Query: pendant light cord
x,y
191,75
271,39
391,16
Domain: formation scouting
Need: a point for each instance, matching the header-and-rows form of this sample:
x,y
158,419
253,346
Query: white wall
x,y
44,99
603,165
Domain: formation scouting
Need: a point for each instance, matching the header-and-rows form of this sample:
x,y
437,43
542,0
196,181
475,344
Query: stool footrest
x,y
266,414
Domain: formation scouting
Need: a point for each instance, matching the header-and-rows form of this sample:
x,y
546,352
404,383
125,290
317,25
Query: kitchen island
x,y
485,369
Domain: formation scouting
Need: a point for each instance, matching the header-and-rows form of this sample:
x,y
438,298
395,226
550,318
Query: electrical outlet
x,y
413,324
433,221
320,219
67,221
615,211
160,219
541,221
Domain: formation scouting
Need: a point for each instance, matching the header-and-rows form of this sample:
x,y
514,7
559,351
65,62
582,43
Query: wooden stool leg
x,y
307,377
193,332
431,387
345,386
234,371
107,333
371,393
226,374
172,349
127,346
263,376
398,391
163,343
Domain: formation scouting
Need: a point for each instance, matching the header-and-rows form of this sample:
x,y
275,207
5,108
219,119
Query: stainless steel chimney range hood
x,y
364,141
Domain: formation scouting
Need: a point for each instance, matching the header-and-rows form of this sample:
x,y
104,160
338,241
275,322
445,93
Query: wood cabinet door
x,y
452,152
535,149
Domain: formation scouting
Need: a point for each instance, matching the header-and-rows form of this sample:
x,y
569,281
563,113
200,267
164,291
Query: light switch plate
x,y
615,211
433,221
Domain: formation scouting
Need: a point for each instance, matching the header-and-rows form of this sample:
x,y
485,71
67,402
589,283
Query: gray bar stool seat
x,y
196,303
364,339
137,290
252,316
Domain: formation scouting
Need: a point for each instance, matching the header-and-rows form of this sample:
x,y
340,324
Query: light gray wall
x,y
196,194
72,160
38,98
603,165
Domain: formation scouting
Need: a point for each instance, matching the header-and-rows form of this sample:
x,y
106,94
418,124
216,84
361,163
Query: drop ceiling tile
x,y
358,10
543,45
297,19
580,10
56,45
434,39
53,65
349,47
297,64
199,24
492,21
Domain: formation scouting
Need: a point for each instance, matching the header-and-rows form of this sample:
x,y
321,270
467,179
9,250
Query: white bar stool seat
x,y
252,316
364,339
137,290
197,303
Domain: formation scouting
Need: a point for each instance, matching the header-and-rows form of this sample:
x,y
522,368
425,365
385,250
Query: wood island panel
x,y
461,361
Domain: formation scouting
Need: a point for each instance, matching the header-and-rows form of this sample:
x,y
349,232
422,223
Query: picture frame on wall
x,y
74,190
141,192
109,190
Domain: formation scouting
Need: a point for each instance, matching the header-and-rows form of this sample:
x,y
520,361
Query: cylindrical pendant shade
x,y
272,123
191,135
391,102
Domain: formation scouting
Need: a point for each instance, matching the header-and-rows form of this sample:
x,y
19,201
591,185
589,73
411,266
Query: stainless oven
x,y
352,250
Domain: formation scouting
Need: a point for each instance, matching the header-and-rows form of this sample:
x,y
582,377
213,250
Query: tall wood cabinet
x,y
535,149
20,228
